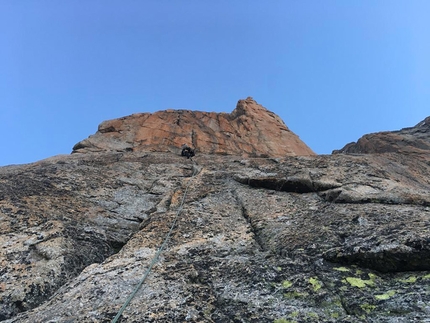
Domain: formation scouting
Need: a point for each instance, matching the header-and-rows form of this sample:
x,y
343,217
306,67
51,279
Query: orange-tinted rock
x,y
250,130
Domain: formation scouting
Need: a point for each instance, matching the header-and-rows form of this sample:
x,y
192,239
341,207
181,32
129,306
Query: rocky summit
x,y
250,130
303,238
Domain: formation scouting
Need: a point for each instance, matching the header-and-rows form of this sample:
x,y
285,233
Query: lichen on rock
x,y
335,238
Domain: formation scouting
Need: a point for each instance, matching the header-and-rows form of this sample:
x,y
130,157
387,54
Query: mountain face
x,y
406,141
250,130
333,238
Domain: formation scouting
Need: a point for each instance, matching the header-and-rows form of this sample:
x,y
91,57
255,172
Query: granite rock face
x,y
305,239
335,238
250,130
408,140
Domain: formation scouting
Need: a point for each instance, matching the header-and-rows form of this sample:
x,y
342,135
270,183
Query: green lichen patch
x,y
316,284
385,296
283,321
287,284
343,269
426,276
409,280
313,315
358,282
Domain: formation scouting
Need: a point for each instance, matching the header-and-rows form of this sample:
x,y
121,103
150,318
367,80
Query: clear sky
x,y
332,70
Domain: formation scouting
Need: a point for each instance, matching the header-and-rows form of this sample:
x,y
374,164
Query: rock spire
x,y
250,130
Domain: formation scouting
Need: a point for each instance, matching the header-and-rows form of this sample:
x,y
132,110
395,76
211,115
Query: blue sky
x,y
332,70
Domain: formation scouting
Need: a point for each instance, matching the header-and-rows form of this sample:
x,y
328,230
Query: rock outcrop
x,y
408,140
334,238
250,130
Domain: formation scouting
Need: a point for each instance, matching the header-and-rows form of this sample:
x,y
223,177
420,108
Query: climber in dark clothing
x,y
187,151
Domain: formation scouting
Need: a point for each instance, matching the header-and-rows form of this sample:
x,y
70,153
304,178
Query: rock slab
x,y
335,238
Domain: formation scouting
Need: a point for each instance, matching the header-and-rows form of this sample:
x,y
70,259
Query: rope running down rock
x,y
157,255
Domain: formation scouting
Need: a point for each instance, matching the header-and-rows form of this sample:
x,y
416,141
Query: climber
x,y
187,151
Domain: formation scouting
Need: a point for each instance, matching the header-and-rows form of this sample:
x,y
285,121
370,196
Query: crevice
x,y
116,246
194,139
330,193
385,261
345,306
255,231
334,293
279,184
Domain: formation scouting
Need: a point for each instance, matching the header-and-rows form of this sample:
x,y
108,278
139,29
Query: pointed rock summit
x,y
250,130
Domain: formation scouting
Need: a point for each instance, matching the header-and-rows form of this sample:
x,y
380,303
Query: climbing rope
x,y
157,255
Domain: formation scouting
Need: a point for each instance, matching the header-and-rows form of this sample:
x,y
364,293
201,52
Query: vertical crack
x,y
345,306
194,139
332,291
255,231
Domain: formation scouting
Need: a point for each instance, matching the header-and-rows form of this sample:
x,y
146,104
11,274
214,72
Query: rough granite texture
x,y
335,238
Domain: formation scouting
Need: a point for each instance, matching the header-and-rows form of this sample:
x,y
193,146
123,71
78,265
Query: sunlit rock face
x,y
333,238
250,130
